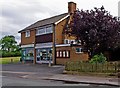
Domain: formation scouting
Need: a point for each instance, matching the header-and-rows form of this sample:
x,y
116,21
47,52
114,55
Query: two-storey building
x,y
46,40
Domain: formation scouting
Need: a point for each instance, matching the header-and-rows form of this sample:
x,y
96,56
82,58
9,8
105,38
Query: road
x,y
33,75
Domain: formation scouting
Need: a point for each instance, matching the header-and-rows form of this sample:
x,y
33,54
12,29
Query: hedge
x,y
10,54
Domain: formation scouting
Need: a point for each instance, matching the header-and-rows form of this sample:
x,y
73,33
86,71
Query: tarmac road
x,y
33,75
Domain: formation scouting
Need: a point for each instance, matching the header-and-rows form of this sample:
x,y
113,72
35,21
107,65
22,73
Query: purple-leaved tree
x,y
97,30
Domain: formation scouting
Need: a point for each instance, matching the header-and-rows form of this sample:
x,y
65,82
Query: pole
x,y
50,62
54,45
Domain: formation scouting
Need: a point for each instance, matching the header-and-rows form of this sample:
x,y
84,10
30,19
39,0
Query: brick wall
x,y
73,55
28,40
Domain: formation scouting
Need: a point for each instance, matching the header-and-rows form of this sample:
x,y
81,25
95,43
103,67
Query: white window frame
x,y
73,41
69,41
80,50
46,29
66,42
50,29
27,33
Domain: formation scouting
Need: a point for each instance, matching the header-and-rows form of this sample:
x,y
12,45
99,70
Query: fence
x,y
107,67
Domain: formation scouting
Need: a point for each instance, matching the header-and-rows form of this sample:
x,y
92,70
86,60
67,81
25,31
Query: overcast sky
x,y
17,14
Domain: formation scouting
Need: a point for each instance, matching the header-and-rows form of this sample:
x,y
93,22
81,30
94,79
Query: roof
x,y
46,21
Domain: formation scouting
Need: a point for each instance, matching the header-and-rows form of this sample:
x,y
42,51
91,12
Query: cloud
x,y
17,14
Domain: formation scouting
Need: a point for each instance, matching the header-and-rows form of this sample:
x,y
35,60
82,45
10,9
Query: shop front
x,y
44,55
27,54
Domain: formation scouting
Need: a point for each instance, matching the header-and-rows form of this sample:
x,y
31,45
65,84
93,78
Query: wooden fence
x,y
107,67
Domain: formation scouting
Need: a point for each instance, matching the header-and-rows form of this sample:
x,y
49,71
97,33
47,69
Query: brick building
x,y
46,41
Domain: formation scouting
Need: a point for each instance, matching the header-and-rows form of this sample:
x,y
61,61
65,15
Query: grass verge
x,y
114,75
8,60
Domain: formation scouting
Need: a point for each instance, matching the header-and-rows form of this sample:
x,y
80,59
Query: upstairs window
x,y
79,50
49,29
27,34
67,41
41,31
44,30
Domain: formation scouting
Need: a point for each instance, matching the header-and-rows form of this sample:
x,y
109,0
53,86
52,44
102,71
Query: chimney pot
x,y
71,7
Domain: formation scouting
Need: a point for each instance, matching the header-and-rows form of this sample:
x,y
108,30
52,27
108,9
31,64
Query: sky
x,y
15,15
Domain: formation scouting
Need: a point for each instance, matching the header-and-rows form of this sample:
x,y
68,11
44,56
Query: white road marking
x,y
18,72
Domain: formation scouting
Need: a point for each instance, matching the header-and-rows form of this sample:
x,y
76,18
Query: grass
x,y
96,74
7,60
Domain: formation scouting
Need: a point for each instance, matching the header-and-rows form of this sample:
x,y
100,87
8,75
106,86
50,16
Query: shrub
x,y
9,54
98,58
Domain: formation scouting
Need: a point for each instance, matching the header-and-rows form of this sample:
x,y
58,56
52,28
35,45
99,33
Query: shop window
x,y
30,53
79,50
44,54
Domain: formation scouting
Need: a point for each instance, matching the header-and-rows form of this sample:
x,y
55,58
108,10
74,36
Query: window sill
x,y
27,36
79,52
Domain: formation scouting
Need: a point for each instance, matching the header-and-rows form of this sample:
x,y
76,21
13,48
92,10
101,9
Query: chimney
x,y
71,7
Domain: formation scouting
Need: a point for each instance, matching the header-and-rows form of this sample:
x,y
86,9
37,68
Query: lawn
x,y
7,60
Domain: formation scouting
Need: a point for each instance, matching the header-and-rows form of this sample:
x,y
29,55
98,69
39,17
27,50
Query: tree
x,y
97,30
9,47
8,43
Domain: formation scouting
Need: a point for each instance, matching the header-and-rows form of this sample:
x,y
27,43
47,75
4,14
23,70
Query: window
x,y
27,34
60,53
57,53
63,54
44,30
72,41
49,29
37,32
79,50
67,53
66,41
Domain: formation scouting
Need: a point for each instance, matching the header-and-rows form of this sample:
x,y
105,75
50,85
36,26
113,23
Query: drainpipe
x,y
54,45
34,61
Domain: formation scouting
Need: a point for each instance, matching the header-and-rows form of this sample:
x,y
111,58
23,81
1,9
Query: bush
x,y
98,58
9,54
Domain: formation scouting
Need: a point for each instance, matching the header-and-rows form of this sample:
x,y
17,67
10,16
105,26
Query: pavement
x,y
55,73
78,79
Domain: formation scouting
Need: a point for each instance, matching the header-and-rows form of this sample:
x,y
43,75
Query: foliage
x,y
97,30
98,59
9,54
8,43
9,47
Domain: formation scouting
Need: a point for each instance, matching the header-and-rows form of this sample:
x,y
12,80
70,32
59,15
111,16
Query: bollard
x,y
49,63
11,60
